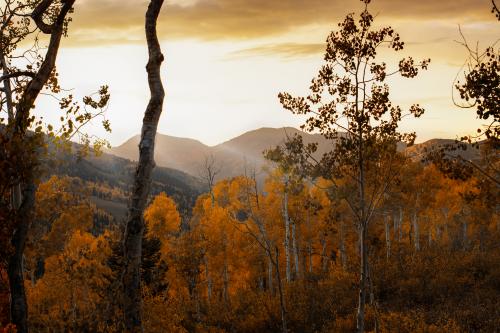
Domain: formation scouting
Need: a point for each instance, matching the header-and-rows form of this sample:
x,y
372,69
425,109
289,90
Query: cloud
x,y
286,50
252,19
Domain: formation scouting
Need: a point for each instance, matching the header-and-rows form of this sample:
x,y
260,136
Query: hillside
x,y
115,172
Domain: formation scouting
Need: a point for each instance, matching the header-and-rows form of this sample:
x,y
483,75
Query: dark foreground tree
x,y
28,70
50,18
132,300
349,104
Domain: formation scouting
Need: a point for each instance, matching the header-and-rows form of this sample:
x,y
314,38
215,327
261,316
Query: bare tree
x,y
132,245
208,173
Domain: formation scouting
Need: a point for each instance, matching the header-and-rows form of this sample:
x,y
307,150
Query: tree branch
x,y
17,74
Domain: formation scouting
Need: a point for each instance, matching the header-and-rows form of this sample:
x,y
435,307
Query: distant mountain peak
x,y
189,155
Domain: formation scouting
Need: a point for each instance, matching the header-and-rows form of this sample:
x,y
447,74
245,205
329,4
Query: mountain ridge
x,y
233,156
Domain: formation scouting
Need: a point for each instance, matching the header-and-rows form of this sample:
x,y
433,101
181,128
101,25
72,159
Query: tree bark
x,y
387,236
400,224
360,319
324,257
464,234
282,296
225,274
18,304
295,250
416,231
343,252
310,256
286,217
270,276
363,225
207,278
132,245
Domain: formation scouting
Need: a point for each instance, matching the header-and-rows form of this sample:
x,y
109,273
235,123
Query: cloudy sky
x,y
226,60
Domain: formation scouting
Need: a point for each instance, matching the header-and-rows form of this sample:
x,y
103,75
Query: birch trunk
x,y
362,280
295,250
416,231
387,236
282,296
400,224
324,258
429,228
262,277
363,251
444,231
208,279
343,253
132,245
464,234
309,244
310,257
395,226
287,232
225,276
226,283
270,276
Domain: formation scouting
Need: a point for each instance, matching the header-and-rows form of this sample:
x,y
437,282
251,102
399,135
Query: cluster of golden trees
x,y
234,267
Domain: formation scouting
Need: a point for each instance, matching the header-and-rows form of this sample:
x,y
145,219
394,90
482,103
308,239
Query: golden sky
x,y
226,60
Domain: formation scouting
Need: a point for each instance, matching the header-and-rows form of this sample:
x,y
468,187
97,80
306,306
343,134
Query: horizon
x,y
226,61
417,141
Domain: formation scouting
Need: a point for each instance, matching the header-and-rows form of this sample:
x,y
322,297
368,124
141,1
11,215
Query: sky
x,y
227,60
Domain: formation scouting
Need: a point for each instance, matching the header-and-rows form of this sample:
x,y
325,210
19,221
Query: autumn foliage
x,y
211,273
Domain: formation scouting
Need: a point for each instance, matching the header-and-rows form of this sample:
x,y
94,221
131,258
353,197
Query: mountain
x,y
418,151
231,156
246,150
170,151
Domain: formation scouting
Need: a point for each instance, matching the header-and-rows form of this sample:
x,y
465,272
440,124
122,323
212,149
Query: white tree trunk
x,y
343,253
208,279
429,228
416,231
310,257
324,258
286,217
295,250
464,234
395,225
270,276
226,277
132,243
400,224
387,236
281,293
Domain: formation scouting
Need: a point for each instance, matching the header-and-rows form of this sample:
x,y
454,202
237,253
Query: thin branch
x,y
17,74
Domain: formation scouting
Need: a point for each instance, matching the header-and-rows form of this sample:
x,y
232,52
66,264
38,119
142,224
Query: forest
x,y
370,234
